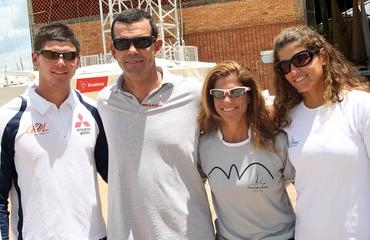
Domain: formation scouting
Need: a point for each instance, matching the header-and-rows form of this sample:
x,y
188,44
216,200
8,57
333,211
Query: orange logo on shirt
x,y
37,128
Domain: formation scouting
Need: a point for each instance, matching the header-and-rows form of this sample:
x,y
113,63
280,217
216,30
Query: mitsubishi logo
x,y
79,123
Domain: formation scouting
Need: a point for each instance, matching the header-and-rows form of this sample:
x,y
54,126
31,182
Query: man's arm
x,y
101,156
101,150
5,185
4,219
8,132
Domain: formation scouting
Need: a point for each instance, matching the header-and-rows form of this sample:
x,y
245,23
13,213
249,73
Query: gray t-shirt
x,y
248,188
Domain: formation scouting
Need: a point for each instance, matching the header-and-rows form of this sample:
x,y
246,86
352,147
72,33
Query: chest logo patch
x,y
37,128
293,142
82,126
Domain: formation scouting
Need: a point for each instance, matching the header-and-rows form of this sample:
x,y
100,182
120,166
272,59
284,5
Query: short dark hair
x,y
55,32
133,15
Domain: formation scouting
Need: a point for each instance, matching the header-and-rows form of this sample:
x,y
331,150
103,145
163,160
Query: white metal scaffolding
x,y
165,13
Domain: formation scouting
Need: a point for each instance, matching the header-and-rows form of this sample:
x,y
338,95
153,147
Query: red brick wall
x,y
90,36
237,30
241,44
240,30
242,13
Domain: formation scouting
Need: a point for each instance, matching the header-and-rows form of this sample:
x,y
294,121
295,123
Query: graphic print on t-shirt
x,y
259,176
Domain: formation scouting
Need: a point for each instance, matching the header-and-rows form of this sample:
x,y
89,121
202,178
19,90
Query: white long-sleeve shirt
x,y
329,147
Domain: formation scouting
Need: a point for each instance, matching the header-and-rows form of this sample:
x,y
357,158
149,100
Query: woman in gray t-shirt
x,y
244,158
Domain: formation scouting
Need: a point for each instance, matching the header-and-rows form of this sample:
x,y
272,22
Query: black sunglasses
x,y
122,44
52,55
300,59
232,92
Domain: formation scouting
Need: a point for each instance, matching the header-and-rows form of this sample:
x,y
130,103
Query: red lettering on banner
x,y
93,84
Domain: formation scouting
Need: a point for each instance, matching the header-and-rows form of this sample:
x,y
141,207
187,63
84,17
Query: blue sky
x,y
15,43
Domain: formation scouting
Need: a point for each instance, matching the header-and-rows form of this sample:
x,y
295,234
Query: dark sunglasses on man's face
x,y
232,92
122,44
52,55
300,59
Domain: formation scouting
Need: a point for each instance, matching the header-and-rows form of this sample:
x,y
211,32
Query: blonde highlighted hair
x,y
258,118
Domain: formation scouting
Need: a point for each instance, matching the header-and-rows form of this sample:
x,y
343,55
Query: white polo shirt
x,y
54,189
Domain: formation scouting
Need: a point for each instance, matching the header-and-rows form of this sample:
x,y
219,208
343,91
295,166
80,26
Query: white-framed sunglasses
x,y
232,92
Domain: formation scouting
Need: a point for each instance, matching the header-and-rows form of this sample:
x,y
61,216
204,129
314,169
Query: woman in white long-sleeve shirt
x,y
325,109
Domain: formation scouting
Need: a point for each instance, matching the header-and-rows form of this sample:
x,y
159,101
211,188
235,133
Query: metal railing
x,y
180,53
96,59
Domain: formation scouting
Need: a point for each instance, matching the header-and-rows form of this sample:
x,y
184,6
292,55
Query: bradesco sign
x,y
93,84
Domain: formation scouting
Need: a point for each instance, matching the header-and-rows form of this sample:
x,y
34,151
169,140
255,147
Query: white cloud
x,y
15,43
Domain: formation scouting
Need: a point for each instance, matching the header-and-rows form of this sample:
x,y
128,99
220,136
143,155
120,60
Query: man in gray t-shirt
x,y
155,191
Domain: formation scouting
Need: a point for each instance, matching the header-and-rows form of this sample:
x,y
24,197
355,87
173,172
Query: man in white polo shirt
x,y
52,145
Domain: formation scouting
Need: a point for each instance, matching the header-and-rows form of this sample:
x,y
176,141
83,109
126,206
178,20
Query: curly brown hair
x,y
338,74
263,132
